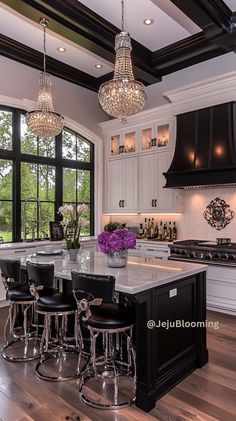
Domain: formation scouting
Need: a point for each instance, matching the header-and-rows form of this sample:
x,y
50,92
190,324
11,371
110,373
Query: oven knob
x,y
208,256
183,252
231,256
192,255
177,251
173,251
216,256
224,256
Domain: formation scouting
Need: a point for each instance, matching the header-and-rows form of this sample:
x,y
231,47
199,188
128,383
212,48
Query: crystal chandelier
x,y
122,96
44,122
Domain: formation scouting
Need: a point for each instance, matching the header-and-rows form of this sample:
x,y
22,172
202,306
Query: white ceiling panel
x,y
164,31
17,27
231,4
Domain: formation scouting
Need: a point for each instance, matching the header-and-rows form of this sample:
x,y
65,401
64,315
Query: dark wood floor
x,y
209,394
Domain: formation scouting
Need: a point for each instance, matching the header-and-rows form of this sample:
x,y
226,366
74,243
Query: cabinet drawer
x,y
156,252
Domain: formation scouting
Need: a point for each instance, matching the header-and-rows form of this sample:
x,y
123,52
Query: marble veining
x,y
139,275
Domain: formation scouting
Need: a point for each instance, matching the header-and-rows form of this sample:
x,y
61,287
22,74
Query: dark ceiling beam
x,y
185,53
14,50
206,13
74,21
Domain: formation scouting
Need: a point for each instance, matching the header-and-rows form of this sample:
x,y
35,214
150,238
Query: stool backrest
x,y
41,274
10,269
100,286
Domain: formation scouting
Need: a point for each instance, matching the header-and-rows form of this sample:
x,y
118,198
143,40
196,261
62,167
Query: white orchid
x,y
82,208
73,222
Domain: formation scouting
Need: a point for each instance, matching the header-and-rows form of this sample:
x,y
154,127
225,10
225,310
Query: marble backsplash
x,y
191,223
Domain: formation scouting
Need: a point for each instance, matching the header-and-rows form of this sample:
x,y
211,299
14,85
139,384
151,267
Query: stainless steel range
x,y
209,252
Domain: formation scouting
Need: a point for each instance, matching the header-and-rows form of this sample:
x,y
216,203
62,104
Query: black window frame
x,y
17,157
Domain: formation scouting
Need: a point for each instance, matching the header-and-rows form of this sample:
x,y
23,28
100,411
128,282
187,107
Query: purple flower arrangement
x,y
119,239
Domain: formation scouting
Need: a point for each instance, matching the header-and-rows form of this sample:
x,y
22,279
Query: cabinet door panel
x,y
147,175
114,191
165,197
130,184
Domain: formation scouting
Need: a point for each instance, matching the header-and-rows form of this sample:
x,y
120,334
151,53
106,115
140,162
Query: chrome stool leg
x,y
60,361
22,344
108,376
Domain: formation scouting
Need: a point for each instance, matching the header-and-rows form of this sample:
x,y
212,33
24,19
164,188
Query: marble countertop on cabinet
x,y
33,244
139,275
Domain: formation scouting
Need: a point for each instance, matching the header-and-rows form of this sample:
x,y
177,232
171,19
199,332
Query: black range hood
x,y
205,152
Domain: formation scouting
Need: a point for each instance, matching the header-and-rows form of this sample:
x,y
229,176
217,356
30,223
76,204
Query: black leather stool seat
x,y
16,284
58,302
110,316
20,293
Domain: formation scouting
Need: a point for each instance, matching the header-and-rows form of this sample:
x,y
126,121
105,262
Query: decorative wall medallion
x,y
218,214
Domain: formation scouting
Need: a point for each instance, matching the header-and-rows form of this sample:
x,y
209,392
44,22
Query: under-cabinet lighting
x,y
120,214
155,266
163,213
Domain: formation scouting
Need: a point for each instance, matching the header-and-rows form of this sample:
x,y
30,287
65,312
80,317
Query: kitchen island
x,y
161,293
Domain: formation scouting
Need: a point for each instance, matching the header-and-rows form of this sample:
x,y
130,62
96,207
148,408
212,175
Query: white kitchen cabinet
x,y
152,196
150,249
221,289
122,185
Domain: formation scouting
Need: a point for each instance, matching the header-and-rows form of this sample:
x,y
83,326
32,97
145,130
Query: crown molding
x,y
21,103
208,92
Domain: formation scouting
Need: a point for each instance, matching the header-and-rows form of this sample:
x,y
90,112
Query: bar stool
x,y
58,356
21,342
112,370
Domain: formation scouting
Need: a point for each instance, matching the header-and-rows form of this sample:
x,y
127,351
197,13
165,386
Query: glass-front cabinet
x,y
123,143
142,138
155,136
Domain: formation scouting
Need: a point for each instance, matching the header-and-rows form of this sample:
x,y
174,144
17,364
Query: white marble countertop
x,y
33,244
139,275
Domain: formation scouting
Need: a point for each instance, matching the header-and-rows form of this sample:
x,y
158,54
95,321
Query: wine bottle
x,y
145,228
169,232
160,234
156,233
165,231
140,230
152,228
174,232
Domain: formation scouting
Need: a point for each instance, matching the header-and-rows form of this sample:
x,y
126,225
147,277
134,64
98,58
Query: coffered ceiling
x,y
183,33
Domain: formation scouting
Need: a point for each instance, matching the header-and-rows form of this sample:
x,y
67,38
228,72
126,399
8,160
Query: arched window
x,y
37,176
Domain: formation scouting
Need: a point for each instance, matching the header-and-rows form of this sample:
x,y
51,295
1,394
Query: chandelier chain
x,y
123,16
44,48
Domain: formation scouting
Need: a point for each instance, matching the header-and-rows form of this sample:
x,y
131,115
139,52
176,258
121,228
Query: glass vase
x,y
117,259
73,253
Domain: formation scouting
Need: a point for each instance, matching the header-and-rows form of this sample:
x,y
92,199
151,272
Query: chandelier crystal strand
x,y
44,122
122,96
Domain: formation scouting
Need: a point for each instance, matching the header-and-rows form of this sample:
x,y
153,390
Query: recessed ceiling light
x,y
98,66
61,49
148,21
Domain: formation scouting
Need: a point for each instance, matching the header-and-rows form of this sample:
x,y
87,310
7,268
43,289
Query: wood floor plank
x,y
179,410
209,394
218,396
9,410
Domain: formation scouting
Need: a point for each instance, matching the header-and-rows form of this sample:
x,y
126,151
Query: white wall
x,y
196,73
75,102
